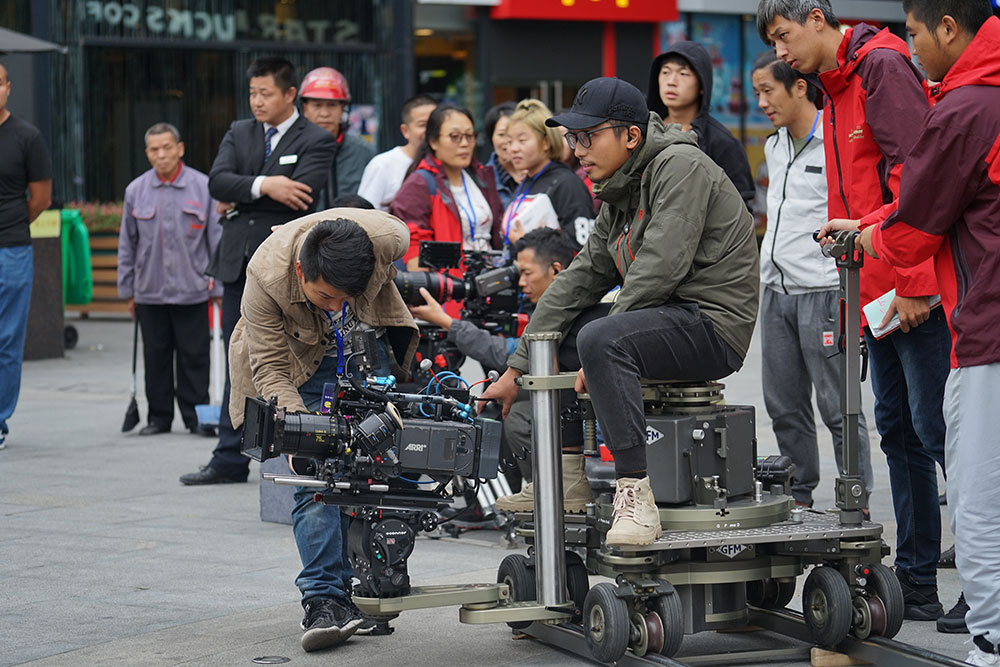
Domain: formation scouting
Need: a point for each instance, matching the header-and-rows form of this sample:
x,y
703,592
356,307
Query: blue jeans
x,y
908,372
17,268
321,530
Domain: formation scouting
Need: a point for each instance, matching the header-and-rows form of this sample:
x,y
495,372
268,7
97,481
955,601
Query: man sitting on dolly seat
x,y
675,234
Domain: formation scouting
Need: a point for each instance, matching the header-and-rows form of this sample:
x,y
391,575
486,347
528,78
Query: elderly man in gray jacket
x,y
169,231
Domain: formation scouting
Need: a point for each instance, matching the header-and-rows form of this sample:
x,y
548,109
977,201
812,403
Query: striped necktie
x,y
267,141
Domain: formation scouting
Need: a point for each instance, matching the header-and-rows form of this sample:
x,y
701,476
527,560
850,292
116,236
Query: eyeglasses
x,y
582,137
459,139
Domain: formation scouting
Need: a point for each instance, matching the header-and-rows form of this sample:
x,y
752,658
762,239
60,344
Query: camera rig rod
x,y
546,455
851,494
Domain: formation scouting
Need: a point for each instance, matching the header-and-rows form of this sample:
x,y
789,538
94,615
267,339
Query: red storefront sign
x,y
643,11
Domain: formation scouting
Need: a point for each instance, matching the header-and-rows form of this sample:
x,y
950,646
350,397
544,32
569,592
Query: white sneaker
x,y
978,656
637,521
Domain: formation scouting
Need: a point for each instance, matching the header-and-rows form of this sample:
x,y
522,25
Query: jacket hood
x,y
979,64
701,63
861,39
618,189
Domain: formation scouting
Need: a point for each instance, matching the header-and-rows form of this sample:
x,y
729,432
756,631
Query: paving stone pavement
x,y
106,559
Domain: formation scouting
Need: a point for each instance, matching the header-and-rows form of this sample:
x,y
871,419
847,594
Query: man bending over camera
x,y
675,234
308,286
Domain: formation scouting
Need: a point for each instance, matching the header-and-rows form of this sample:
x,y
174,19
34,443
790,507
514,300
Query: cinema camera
x,y
368,448
488,293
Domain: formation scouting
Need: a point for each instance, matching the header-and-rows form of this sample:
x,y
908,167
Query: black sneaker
x,y
327,623
920,601
947,557
954,621
369,624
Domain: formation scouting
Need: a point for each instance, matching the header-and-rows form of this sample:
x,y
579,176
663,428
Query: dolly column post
x,y
546,450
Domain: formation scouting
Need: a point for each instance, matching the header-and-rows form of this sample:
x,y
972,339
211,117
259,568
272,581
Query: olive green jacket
x,y
280,339
673,228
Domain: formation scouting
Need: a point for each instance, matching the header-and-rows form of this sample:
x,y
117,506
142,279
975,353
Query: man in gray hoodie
x,y
676,237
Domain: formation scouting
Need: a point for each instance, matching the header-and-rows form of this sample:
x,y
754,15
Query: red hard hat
x,y
325,83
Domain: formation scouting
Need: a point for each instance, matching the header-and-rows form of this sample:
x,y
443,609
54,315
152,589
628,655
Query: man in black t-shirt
x,y
25,191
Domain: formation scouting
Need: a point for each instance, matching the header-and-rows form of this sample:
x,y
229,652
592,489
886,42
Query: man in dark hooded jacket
x,y
680,91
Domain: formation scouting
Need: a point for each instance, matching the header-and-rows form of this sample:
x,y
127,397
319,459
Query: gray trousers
x,y
798,344
972,459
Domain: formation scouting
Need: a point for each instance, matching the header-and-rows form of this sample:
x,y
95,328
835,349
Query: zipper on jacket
x,y
784,196
961,271
836,147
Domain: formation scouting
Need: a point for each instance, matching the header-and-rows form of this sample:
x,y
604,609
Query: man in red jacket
x,y
874,107
957,223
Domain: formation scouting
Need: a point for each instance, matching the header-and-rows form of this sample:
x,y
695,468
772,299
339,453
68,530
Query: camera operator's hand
x,y
293,194
503,390
865,241
835,225
432,312
580,385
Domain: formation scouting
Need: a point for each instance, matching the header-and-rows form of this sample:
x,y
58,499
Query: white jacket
x,y
790,260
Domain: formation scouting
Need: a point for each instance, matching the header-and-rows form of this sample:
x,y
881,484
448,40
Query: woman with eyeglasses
x,y
447,194
550,194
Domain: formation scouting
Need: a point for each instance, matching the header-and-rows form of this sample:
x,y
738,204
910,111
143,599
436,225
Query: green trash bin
x,y
77,279
78,282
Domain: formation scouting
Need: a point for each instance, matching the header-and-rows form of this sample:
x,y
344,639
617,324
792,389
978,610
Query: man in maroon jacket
x,y
874,106
956,221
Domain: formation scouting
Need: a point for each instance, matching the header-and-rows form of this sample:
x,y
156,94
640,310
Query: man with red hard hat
x,y
325,101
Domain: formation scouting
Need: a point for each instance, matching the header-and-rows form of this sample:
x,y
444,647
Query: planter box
x,y
104,270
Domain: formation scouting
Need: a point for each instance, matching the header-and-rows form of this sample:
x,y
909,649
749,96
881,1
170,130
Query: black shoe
x,y
954,621
207,431
943,499
327,623
920,601
947,557
369,624
208,475
154,429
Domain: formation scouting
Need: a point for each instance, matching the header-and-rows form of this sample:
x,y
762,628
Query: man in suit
x,y
269,169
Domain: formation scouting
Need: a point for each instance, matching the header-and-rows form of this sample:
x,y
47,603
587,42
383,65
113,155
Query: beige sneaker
x,y
637,522
576,489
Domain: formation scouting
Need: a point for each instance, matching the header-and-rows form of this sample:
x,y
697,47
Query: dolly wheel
x,y
577,583
606,623
884,585
515,571
668,608
826,605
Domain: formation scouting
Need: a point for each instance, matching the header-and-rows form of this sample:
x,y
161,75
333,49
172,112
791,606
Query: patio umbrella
x,y
15,42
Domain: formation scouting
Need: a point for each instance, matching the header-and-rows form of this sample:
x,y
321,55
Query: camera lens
x,y
442,287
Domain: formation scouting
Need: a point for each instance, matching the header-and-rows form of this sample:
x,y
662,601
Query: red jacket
x,y
949,199
434,216
875,104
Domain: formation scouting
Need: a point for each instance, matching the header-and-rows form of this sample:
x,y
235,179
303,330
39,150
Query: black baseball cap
x,y
604,99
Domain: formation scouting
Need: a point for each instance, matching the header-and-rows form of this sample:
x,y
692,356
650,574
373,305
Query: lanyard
x,y
470,215
340,337
519,197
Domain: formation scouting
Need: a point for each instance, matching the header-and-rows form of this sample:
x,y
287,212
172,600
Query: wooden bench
x,y
104,272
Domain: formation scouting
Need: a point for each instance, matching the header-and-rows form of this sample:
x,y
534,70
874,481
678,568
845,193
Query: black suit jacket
x,y
308,151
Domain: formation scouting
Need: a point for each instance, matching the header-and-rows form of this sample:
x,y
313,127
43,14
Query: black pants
x,y
170,334
670,342
227,458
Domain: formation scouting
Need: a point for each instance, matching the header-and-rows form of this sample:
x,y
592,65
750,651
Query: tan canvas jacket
x,y
280,340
